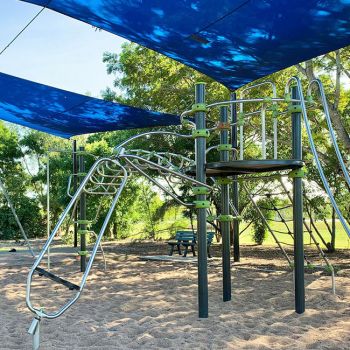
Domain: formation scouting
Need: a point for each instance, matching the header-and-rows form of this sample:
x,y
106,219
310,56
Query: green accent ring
x,y
225,147
202,204
200,190
298,173
200,133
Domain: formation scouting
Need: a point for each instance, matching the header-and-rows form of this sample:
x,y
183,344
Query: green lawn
x,y
341,241
167,228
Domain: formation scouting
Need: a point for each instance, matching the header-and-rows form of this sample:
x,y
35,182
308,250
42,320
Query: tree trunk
x,y
332,244
114,231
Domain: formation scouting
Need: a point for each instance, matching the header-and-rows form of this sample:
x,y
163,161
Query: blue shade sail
x,y
232,41
65,114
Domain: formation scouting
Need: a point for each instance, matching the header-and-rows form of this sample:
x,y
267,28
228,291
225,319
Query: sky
x,y
54,50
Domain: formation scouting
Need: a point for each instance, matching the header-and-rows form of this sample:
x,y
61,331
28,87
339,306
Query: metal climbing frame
x,y
108,177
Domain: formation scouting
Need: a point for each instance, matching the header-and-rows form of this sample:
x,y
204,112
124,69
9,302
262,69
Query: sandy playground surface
x,y
139,304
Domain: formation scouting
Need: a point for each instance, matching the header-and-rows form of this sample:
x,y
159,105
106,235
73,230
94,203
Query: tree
x,y
18,187
147,79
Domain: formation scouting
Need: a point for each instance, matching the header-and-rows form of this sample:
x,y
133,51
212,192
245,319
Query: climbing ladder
x,y
106,177
283,191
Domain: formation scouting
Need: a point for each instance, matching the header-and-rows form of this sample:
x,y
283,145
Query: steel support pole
x,y
200,148
225,211
235,189
82,212
75,187
298,213
48,227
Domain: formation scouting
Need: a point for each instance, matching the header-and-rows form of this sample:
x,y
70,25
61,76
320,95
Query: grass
x,y
341,241
166,228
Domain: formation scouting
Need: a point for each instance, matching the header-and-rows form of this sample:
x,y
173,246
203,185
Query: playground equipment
x,y
12,208
108,176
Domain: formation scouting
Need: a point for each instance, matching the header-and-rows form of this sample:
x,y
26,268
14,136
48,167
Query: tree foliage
x,y
144,78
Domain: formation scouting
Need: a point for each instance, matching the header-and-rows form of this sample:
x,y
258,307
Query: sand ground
x,y
139,304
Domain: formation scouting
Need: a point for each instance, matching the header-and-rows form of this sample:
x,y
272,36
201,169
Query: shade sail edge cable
x,y
23,29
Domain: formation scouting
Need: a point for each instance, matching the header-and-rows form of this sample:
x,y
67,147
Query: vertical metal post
x,y
225,208
48,207
241,137
235,190
34,331
200,149
75,187
275,134
263,132
82,212
298,212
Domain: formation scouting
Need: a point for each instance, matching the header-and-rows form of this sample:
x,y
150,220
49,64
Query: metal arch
x,y
330,127
315,154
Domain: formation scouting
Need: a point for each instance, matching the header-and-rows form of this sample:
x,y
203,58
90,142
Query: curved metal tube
x,y
132,138
255,100
156,166
158,184
315,154
40,313
330,127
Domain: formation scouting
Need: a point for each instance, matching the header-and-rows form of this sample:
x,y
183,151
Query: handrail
x,y
132,138
314,152
263,121
330,127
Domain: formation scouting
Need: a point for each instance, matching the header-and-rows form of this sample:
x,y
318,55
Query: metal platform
x,y
241,167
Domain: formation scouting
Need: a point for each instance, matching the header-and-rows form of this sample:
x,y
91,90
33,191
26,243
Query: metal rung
x,y
283,232
51,276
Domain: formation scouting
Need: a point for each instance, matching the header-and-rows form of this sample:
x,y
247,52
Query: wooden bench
x,y
188,239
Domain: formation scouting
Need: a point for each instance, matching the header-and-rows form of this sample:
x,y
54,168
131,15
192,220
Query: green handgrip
x,y
199,107
85,222
225,218
83,252
224,147
298,173
200,133
294,109
200,190
202,204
